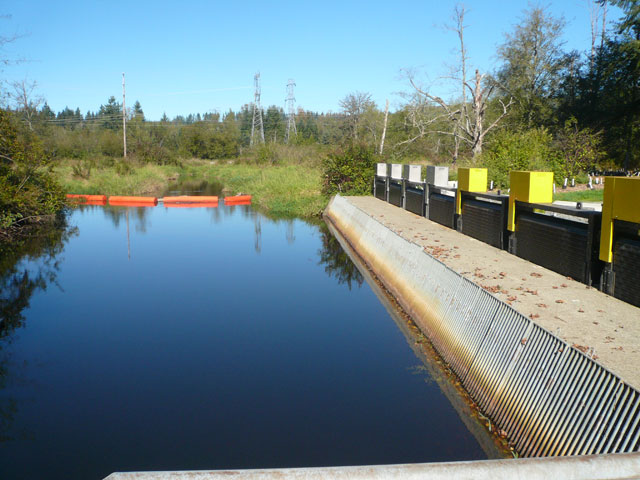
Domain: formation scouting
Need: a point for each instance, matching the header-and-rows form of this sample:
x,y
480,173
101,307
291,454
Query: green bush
x,y
349,171
27,189
528,150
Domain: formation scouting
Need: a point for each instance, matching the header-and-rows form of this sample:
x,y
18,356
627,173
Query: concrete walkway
x,y
588,319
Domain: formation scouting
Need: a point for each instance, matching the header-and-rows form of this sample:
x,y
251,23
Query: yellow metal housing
x,y
470,180
531,187
621,202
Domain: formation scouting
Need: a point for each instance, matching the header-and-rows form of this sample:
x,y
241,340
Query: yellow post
x,y
531,187
470,180
621,202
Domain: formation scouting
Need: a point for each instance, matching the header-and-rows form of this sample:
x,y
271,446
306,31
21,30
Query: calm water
x,y
162,339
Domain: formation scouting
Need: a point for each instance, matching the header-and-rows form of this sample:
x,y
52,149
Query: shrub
x,y
349,171
27,189
528,150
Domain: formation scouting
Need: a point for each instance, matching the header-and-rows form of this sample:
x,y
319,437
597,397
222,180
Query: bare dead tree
x,y
597,14
354,105
467,118
24,100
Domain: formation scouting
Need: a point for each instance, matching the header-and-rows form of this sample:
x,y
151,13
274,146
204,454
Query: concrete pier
x,y
598,324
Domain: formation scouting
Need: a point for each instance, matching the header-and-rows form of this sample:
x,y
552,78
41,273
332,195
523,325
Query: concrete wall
x,y
547,397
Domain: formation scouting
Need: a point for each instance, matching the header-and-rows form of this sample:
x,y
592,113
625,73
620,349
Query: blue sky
x,y
187,57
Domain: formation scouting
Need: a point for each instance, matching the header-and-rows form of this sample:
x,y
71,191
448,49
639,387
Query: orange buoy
x,y
237,199
133,201
192,205
87,198
190,199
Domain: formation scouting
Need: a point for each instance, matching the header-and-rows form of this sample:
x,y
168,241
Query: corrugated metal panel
x,y
381,189
626,265
441,209
483,221
395,194
414,201
554,243
548,397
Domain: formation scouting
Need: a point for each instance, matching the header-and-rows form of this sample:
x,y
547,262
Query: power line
x,y
290,103
257,112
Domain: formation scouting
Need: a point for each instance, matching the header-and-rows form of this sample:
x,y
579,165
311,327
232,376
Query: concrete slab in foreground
x,y
592,467
581,315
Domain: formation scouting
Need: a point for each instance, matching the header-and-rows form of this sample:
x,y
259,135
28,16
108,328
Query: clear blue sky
x,y
187,57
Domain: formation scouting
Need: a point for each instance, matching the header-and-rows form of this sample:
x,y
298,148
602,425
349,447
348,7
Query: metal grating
x,y
554,243
626,265
414,201
441,209
381,189
483,221
395,194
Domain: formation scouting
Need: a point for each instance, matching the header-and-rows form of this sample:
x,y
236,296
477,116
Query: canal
x,y
206,338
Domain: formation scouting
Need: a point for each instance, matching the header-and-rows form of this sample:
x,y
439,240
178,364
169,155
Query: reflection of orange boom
x,y
190,199
133,201
191,205
88,198
95,202
236,204
238,200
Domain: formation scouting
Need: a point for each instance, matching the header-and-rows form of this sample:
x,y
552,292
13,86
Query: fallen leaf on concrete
x,y
559,301
555,288
534,274
564,285
534,315
542,305
582,348
580,310
512,298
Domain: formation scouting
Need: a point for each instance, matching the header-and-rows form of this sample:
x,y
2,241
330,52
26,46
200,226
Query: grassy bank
x,y
580,196
283,190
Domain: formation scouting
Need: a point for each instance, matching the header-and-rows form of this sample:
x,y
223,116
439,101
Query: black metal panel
x,y
441,209
554,243
395,194
381,189
415,200
626,267
484,221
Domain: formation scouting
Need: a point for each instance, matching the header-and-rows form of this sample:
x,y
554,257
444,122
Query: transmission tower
x,y
290,101
256,125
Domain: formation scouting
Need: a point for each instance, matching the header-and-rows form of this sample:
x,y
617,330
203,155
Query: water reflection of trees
x,y
24,270
336,261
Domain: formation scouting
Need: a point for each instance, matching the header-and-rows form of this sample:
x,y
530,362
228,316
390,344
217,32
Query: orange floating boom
x,y
191,205
87,198
133,201
237,199
190,199
237,204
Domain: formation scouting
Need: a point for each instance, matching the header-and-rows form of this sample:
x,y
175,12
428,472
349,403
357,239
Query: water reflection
x,y
336,262
24,270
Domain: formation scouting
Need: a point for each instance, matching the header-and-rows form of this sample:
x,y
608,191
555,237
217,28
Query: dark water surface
x,y
165,339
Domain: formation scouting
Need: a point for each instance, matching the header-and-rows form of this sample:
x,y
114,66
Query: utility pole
x,y
384,129
124,119
290,102
256,124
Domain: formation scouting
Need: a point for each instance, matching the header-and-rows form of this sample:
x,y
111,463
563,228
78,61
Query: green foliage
x,y
528,150
266,154
27,189
579,149
349,171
